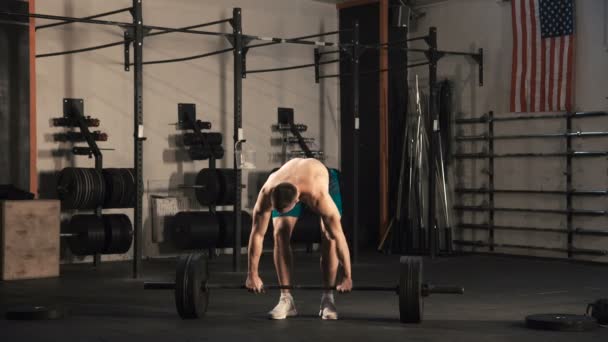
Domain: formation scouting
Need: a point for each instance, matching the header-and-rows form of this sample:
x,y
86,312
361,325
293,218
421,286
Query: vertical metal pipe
x,y
433,123
355,99
138,118
569,187
238,116
491,178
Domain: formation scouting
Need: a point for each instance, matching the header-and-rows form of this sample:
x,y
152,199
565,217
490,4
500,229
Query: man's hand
x,y
345,286
254,284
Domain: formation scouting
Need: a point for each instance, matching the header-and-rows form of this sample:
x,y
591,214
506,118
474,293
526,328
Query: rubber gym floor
x,y
108,305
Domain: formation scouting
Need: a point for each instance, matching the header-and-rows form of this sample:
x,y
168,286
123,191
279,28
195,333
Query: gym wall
x,y
98,78
487,24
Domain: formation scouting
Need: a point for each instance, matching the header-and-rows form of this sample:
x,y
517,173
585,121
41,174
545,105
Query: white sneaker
x,y
285,308
328,308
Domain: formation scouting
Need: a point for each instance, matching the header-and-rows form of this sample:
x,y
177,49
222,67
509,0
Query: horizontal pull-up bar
x,y
89,17
302,66
295,40
182,59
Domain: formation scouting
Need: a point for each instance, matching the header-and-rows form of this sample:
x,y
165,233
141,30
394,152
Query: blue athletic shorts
x,y
334,192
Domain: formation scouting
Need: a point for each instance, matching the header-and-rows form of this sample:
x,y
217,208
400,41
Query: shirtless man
x,y
307,181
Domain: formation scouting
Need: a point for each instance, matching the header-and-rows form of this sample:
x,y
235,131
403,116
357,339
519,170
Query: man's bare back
x,y
309,176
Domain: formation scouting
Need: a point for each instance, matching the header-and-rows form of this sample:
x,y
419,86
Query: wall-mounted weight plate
x,y
411,305
80,188
119,233
191,295
89,235
195,230
217,187
561,322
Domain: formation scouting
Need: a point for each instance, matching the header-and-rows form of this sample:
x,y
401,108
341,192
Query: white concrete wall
x,y
98,77
466,25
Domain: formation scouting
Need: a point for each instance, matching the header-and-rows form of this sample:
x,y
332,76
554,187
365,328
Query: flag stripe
x,y
534,62
543,73
524,56
562,74
515,56
560,65
569,73
551,71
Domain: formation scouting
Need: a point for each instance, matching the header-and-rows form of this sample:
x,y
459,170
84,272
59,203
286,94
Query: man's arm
x,y
331,218
261,216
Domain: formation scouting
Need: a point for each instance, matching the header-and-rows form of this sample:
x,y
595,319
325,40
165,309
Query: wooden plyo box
x,y
29,239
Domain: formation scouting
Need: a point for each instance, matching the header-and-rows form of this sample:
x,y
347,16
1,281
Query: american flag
x,y
543,55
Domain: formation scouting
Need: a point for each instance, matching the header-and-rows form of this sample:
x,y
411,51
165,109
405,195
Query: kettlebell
x,y
599,310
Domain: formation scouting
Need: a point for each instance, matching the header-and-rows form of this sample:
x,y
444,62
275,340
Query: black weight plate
x,y
190,301
195,230
113,181
212,188
561,322
119,234
227,183
226,221
34,313
411,306
197,289
67,184
89,235
130,193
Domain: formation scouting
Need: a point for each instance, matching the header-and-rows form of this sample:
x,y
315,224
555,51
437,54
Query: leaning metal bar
x,y
138,121
68,52
355,143
578,231
237,137
538,192
302,66
524,155
530,210
553,249
576,115
295,40
89,17
530,136
68,19
188,58
433,59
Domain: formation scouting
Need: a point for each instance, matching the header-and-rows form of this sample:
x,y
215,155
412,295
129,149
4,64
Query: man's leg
x,y
283,227
329,270
283,258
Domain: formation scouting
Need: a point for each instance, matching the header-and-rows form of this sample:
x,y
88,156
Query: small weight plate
x,y
411,305
561,322
34,313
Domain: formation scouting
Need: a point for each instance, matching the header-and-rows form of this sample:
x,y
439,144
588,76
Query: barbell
x,y
191,289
